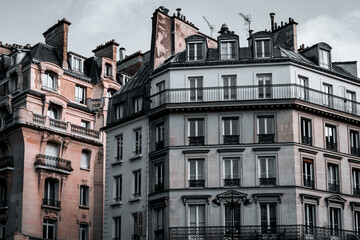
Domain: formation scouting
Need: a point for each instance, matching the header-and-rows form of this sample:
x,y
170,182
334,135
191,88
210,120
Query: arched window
x,y
85,159
51,193
49,81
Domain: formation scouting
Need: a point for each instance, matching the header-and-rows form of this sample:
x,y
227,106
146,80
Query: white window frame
x,y
137,141
160,89
108,70
333,174
303,87
332,224
228,49
324,58
262,40
84,196
196,45
85,159
160,132
159,173
83,231
118,188
47,223
264,86
232,168
80,94
357,221
196,222
198,121
307,166
268,213
328,91
49,81
267,160
196,89
237,222
119,109
331,133
136,190
138,104
306,129
119,154
354,140
77,64
229,87
350,103
53,112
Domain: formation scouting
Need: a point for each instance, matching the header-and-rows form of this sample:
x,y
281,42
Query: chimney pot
x,y
282,23
178,10
272,15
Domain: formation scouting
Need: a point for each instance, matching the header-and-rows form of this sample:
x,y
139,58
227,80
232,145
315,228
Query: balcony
x,y
232,182
196,183
49,202
54,123
309,183
159,145
267,181
231,139
333,187
356,191
53,163
197,141
266,138
7,163
331,146
159,234
82,131
306,140
159,187
355,151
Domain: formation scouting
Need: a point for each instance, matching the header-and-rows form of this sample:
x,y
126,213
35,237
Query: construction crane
x,y
247,19
210,26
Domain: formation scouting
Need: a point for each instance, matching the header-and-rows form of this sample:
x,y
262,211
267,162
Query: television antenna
x,y
210,26
247,19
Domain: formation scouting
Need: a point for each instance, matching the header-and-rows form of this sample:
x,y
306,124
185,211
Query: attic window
x,y
49,81
262,49
108,70
195,51
324,58
227,50
77,64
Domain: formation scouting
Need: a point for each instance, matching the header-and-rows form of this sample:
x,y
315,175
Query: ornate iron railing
x,y
267,181
356,191
51,202
196,183
159,145
53,162
355,151
231,139
309,183
57,124
333,187
306,140
39,119
159,187
159,234
232,182
7,161
331,146
266,138
197,141
84,131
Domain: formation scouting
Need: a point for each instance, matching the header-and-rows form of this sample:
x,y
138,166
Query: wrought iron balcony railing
x,y
196,183
232,182
356,191
266,138
159,234
53,162
7,162
331,146
306,140
197,141
309,183
159,145
51,202
159,187
333,187
355,151
267,181
231,139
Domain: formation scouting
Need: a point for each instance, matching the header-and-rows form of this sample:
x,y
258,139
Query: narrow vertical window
x,y
310,219
354,143
306,131
229,83
159,177
264,82
268,216
335,220
159,135
196,131
330,137
231,172
117,228
195,51
333,178
84,232
137,183
80,94
85,160
138,141
119,148
303,88
117,188
196,89
228,50
161,94
230,130
324,59
327,95
356,181
196,173
266,129
49,229
84,196
262,49
267,173
350,102
308,173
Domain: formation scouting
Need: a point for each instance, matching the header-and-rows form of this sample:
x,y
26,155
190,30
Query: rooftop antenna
x,y
210,26
247,19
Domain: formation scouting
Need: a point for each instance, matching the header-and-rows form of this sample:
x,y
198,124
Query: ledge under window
x,y
84,207
136,157
115,204
135,199
117,162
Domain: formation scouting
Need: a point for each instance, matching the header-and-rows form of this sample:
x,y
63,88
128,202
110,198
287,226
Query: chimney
x,y
57,36
121,53
178,10
272,15
109,50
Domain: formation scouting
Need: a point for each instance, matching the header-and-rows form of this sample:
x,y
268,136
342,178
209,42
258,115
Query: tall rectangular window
x,y
268,216
161,94
264,83
196,173
196,131
267,171
77,64
310,218
137,220
357,222
195,51
85,160
327,95
196,89
49,229
138,141
229,83
308,173
354,143
52,150
119,148
356,181
266,129
335,220
324,58
159,135
330,137
197,215
84,196
49,81
137,183
350,102
228,50
53,112
83,232
230,130
117,228
303,88
231,172
108,70
159,218
138,104
232,214
333,178
51,192
306,131
118,188
80,94
119,111
262,49
159,177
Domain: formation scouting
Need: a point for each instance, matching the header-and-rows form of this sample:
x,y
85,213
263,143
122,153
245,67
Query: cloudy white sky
x,y
129,21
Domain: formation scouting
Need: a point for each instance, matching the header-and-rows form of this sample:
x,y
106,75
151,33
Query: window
x,y
195,51
83,232
354,143
264,82
268,216
136,183
159,223
51,191
85,124
266,129
85,159
80,94
231,172
108,70
2,229
308,173
119,147
53,112
137,218
357,221
84,196
197,215
119,109
138,141
228,50
138,104
324,60
160,135
117,228
3,194
267,174
303,88
196,131
330,137
196,173
49,229
327,89
356,181
230,130
310,219
333,178
262,49
350,102
117,188
159,177
306,131
51,150
196,89
335,220
49,81
77,64
229,83
160,89
230,214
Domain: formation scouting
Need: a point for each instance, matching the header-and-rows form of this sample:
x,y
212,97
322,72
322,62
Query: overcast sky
x,y
129,21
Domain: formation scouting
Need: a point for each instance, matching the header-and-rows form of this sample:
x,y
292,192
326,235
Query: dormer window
x,y
108,70
49,81
262,48
195,51
324,58
77,64
227,50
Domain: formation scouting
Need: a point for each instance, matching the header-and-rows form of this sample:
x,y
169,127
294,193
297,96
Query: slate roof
x,y
42,52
